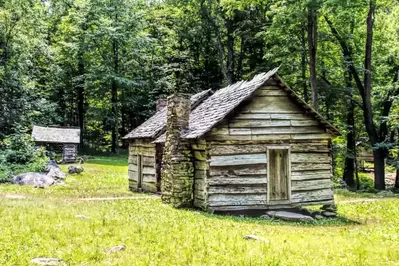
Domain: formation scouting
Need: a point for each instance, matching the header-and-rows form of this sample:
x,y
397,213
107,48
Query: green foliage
x,y
18,154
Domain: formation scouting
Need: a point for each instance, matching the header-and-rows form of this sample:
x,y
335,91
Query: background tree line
x,y
101,64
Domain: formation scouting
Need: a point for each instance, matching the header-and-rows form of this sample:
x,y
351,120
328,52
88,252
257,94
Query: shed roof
x,y
56,134
156,124
215,108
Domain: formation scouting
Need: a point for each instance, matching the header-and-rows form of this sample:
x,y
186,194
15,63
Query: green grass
x,y
44,224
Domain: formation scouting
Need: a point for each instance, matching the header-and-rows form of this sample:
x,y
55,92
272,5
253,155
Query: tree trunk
x,y
81,97
303,66
230,51
312,43
397,179
379,169
349,170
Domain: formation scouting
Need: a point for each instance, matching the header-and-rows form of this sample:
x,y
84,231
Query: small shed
x,y
67,137
254,145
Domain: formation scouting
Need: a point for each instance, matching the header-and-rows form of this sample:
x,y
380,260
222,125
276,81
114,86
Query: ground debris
x,y
116,249
83,217
47,261
257,238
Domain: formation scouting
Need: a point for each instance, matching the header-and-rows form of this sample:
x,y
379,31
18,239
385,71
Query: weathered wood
x,y
315,195
311,136
223,160
286,130
310,147
308,175
310,158
240,189
133,175
238,170
236,199
148,161
149,187
309,166
229,149
268,92
245,123
145,169
318,184
149,178
271,137
255,180
272,104
278,174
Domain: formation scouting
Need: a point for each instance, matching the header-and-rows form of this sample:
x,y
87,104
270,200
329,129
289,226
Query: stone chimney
x,y
161,103
177,167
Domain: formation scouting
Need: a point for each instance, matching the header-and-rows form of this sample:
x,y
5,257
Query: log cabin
x,y
65,138
254,145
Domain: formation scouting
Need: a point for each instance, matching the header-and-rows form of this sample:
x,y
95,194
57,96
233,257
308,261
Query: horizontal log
x,y
308,175
271,137
149,178
311,136
271,104
315,195
149,187
148,161
237,189
309,166
236,199
132,176
267,116
302,185
243,159
246,123
286,130
237,181
310,158
146,169
238,170
310,147
268,92
214,137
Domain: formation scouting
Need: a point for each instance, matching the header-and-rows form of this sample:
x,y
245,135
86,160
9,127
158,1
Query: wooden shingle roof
x,y
215,108
156,124
56,134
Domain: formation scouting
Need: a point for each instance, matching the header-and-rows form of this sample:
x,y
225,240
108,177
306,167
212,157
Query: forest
x,y
101,65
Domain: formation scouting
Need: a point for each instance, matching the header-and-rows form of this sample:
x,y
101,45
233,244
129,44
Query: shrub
x,y
18,154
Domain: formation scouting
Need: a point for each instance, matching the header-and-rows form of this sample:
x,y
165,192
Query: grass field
x,y
44,224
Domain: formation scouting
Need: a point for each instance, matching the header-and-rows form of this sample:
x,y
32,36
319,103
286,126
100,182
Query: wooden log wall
x,y
146,150
201,172
238,175
238,147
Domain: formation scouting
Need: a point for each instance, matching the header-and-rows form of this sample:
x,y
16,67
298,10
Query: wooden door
x,y
278,170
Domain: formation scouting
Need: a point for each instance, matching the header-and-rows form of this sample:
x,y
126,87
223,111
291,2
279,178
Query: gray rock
x,y
329,207
257,238
75,169
53,175
329,214
385,192
319,217
47,261
292,216
271,213
265,216
83,217
116,249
